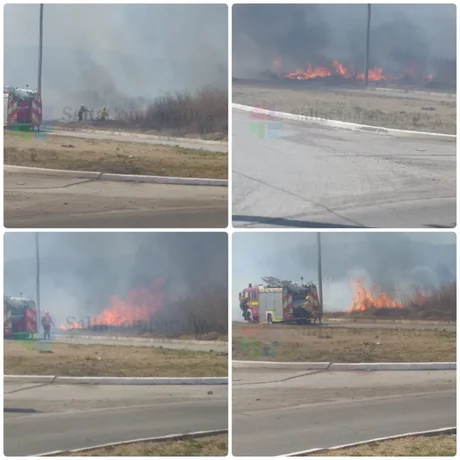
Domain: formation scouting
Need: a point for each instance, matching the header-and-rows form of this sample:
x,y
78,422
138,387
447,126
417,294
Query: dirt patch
x,y
341,344
36,358
210,446
388,109
421,446
56,152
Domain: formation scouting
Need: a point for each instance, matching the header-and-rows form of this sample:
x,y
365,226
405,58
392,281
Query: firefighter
x,y
47,322
103,114
82,110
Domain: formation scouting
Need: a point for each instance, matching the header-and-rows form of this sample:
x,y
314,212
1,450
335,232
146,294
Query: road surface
x,y
46,418
84,339
310,176
277,412
39,201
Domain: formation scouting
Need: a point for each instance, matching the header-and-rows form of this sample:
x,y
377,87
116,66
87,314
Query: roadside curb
x,y
56,380
343,124
172,437
134,134
451,430
118,177
330,366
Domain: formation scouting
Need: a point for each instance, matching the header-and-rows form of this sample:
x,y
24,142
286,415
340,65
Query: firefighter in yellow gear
x,y
103,114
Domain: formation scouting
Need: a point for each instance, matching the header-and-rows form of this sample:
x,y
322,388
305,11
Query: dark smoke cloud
x,y
421,36
80,272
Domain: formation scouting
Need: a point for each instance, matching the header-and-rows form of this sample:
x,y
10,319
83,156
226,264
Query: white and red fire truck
x,y
280,301
22,108
19,317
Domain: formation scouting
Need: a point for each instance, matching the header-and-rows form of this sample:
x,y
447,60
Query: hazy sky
x,y
396,261
135,50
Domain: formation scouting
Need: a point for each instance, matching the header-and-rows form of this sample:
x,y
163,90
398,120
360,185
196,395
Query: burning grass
x,y
203,114
341,344
35,358
414,446
209,446
391,109
436,304
56,152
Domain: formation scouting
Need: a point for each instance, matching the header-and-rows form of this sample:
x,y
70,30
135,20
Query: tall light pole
x,y
320,275
368,35
37,254
40,51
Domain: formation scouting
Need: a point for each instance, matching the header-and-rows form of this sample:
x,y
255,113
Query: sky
x,y
117,50
396,261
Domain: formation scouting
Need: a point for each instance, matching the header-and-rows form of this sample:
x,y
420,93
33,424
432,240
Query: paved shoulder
x,y
302,175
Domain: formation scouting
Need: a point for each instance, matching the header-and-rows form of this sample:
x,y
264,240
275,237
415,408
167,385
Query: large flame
x,y
139,306
337,69
367,298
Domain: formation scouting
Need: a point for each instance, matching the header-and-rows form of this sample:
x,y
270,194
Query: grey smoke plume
x,y
115,52
80,272
421,36
397,262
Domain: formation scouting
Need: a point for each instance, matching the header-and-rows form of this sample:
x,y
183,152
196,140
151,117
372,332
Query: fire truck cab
x,y
20,317
22,108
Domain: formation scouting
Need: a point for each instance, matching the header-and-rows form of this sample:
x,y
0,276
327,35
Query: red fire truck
x,y
280,301
22,108
19,317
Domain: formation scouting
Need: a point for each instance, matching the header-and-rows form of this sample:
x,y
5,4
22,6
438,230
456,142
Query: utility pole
x,y
37,254
40,51
368,35
320,275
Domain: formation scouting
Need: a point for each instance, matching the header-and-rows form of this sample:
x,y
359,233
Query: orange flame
x,y
338,69
365,299
139,307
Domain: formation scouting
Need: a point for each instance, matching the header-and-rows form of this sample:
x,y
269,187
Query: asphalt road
x,y
277,412
61,417
39,201
298,175
191,345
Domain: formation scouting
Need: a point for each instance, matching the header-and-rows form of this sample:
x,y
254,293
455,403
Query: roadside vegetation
x,y
420,446
209,446
202,114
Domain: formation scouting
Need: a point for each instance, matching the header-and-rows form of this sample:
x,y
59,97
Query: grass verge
x,y
416,446
209,446
35,358
56,152
401,111
341,344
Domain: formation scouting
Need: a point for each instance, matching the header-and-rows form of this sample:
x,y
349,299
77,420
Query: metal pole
x,y
320,276
37,253
368,34
40,51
